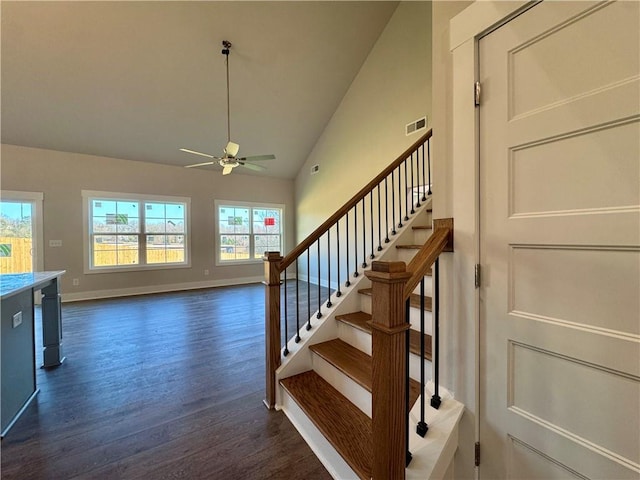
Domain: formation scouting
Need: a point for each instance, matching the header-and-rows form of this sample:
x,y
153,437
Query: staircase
x,y
330,403
326,379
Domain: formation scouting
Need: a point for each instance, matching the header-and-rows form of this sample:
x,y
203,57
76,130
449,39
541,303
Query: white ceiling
x,y
139,80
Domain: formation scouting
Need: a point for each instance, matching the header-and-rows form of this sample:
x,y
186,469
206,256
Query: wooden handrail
x,y
440,241
327,224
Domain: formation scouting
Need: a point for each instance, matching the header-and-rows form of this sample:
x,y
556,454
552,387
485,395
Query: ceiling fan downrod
x,y
226,48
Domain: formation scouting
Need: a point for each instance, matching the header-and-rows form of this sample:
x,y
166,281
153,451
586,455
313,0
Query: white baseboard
x,y
149,289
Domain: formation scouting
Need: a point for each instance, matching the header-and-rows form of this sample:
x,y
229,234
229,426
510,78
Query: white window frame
x,y
89,195
251,206
36,199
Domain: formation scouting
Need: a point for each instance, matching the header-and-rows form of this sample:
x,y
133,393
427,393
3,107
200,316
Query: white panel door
x,y
560,243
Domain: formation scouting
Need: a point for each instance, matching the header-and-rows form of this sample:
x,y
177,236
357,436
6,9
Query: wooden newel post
x,y
272,323
389,407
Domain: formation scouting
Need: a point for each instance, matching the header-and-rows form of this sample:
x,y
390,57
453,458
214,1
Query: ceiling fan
x,y
229,160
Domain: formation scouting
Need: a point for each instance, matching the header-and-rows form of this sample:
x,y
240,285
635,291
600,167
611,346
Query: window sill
x,y
235,263
135,268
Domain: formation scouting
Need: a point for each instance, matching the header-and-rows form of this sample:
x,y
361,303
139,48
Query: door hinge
x,y
476,93
477,275
477,454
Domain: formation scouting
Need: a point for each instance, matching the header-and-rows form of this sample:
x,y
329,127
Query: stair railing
x,y
323,263
440,241
392,286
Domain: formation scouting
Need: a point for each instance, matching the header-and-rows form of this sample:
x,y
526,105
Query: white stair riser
x,y
420,236
362,341
428,286
414,368
405,254
355,337
414,320
356,394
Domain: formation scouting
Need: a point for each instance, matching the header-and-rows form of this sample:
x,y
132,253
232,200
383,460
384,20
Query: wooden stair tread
x,y
414,299
349,360
357,365
408,247
422,227
344,425
361,321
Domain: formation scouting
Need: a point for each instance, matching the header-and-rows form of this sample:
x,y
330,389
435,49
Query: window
x,y
129,231
21,232
246,231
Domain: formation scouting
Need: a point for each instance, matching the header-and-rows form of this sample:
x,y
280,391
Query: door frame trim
x,y
483,17
466,29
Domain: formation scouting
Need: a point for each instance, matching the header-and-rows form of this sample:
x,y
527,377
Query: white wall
x,y
367,131
61,176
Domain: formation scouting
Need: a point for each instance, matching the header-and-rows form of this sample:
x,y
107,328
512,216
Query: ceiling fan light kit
x,y
229,160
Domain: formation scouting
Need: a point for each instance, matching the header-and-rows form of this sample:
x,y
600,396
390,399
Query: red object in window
x,y
269,221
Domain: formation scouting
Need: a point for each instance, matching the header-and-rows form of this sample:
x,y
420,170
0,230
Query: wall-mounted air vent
x,y
315,169
416,126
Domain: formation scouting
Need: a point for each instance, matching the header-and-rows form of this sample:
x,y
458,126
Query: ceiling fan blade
x,y
227,170
232,149
256,158
197,153
199,164
251,166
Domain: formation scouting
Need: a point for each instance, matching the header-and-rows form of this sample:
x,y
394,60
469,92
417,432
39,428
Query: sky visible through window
x,y
16,219
15,210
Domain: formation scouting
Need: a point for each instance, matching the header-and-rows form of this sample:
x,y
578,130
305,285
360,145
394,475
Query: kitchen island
x,y
17,333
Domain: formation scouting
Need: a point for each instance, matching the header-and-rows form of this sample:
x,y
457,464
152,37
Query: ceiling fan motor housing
x,y
231,150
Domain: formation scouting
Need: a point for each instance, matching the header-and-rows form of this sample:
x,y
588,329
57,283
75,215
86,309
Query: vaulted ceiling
x,y
140,80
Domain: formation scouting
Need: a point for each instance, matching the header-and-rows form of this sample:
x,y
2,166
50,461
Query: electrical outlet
x,y
206,272
55,243
17,319
76,282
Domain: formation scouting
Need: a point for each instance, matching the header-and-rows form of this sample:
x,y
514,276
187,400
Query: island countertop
x,y
13,283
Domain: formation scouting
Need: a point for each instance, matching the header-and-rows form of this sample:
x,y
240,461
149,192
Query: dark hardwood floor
x,y
158,387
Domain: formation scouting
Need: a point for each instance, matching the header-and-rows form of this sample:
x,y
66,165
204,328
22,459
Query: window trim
x,y
89,195
251,205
